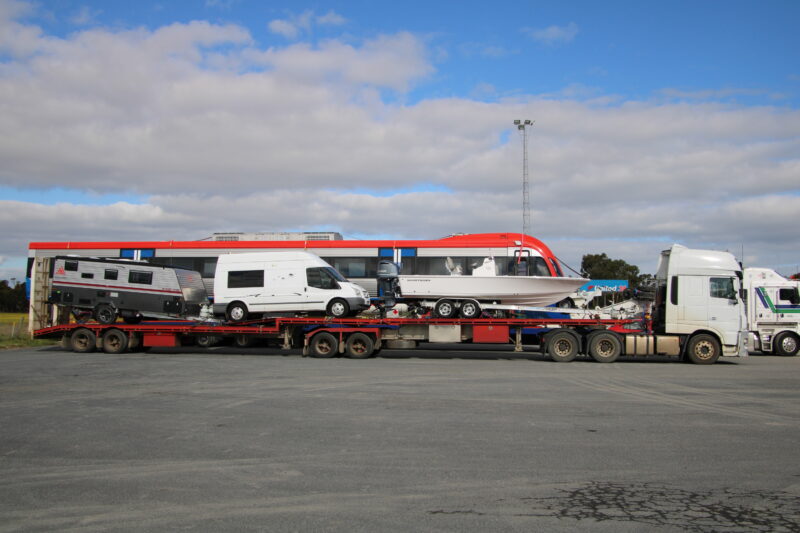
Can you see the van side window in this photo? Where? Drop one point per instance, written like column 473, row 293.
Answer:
column 111, row 273
column 142, row 278
column 242, row 279
column 320, row 278
column 71, row 266
column 722, row 288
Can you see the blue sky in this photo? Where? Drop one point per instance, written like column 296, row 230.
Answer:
column 740, row 51
column 655, row 122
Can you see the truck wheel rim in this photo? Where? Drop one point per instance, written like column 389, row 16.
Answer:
column 704, row 350
column 789, row 344
column 605, row 348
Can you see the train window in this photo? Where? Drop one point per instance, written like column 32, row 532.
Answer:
column 72, row 266
column 556, row 267
column 111, row 273
column 241, row 279
column 538, row 267
column 139, row 277
column 355, row 267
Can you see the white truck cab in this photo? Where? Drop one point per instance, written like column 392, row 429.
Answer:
column 773, row 312
column 278, row 282
column 700, row 300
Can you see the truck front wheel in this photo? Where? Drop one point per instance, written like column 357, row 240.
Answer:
column 703, row 349
column 785, row 343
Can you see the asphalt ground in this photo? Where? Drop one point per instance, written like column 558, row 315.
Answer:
column 425, row 440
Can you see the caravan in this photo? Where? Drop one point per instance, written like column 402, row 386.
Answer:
column 280, row 282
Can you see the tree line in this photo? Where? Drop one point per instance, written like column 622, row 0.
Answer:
column 13, row 299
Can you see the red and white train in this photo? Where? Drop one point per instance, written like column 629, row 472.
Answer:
column 355, row 259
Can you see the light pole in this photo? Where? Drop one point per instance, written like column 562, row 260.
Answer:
column 522, row 127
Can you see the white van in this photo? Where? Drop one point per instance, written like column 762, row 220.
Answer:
column 279, row 282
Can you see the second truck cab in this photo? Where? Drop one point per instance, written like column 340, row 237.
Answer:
column 773, row 311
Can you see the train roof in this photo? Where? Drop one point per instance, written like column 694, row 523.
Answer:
column 488, row 240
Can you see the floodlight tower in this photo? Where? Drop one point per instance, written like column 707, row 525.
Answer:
column 522, row 127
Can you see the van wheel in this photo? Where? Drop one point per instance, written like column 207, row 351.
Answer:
column 359, row 346
column 114, row 341
column 605, row 347
column 703, row 349
column 470, row 309
column 323, row 345
column 785, row 344
column 83, row 340
column 338, row 308
column 236, row 312
column 105, row 314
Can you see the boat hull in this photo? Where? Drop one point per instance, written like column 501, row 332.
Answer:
column 534, row 291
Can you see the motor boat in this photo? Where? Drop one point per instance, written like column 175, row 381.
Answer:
column 485, row 285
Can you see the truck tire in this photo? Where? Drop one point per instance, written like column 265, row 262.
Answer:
column 323, row 345
column 206, row 341
column 703, row 349
column 243, row 341
column 561, row 346
column 359, row 346
column 236, row 312
column 338, row 308
column 133, row 319
column 605, row 347
column 83, row 340
column 115, row 341
column 444, row 309
column 105, row 314
column 470, row 309
column 785, row 343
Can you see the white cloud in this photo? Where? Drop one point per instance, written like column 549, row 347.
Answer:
column 553, row 35
column 296, row 25
column 219, row 134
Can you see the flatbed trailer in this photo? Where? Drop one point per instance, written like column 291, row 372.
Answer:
column 562, row 339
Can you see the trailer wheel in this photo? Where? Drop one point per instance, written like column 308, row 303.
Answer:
column 338, row 308
column 444, row 309
column 206, row 341
column 243, row 341
column 359, row 346
column 105, row 314
column 470, row 309
column 236, row 312
column 785, row 343
column 83, row 340
column 114, row 341
column 605, row 347
column 562, row 346
column 703, row 349
column 323, row 345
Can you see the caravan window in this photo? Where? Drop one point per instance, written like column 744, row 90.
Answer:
column 71, row 266
column 243, row 279
column 111, row 273
column 142, row 278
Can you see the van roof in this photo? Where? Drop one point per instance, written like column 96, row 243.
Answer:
column 255, row 257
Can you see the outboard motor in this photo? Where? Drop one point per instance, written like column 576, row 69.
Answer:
column 388, row 282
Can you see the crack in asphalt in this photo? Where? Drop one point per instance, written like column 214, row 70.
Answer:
column 662, row 505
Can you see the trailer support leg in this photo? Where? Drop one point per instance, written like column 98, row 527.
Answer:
column 518, row 340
